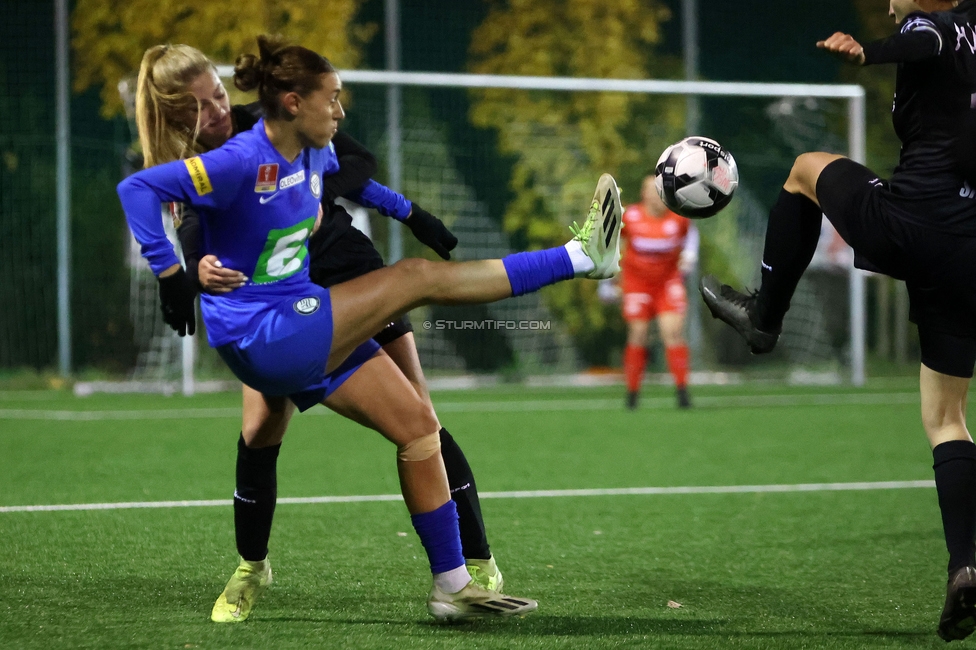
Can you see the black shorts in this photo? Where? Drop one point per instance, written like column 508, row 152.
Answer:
column 938, row 268
column 348, row 257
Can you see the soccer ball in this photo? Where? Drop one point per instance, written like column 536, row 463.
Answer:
column 696, row 177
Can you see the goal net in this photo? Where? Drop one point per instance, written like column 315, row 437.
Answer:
column 509, row 162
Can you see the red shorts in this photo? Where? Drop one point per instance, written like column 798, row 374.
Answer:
column 644, row 300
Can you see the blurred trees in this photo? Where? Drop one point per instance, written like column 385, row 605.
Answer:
column 110, row 36
column 563, row 141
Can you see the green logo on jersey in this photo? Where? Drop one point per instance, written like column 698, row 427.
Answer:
column 284, row 253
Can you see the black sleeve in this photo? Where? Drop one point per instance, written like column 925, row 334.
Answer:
column 356, row 166
column 919, row 39
column 190, row 241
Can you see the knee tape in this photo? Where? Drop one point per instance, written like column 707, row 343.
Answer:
column 420, row 449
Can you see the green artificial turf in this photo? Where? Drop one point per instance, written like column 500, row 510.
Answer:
column 821, row 569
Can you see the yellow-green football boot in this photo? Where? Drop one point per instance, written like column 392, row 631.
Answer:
column 242, row 591
column 485, row 573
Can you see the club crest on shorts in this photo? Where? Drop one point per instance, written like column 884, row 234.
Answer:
column 307, row 306
column 315, row 185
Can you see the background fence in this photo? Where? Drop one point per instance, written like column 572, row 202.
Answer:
column 475, row 158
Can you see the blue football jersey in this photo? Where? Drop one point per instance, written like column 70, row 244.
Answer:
column 256, row 210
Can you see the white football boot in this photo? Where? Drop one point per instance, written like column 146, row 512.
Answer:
column 599, row 235
column 475, row 601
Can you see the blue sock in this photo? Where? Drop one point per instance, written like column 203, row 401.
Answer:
column 528, row 272
column 438, row 531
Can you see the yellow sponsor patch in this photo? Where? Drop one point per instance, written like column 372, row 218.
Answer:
column 198, row 174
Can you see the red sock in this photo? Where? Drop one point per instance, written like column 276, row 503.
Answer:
column 678, row 364
column 635, row 358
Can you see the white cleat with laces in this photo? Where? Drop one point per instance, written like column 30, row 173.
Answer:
column 599, row 236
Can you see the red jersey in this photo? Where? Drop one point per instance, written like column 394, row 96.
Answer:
column 652, row 244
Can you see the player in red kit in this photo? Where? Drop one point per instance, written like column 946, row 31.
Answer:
column 660, row 247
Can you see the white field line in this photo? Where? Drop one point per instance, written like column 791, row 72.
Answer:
column 499, row 406
column 521, row 494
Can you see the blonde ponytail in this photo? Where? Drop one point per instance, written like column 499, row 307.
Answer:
column 162, row 97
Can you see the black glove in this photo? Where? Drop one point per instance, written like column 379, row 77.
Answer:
column 431, row 232
column 177, row 300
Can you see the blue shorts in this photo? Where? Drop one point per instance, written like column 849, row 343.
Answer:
column 286, row 351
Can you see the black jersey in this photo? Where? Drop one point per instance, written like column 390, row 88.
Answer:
column 245, row 116
column 936, row 82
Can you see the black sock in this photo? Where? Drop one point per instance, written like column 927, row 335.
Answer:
column 791, row 240
column 254, row 499
column 955, row 481
column 474, row 541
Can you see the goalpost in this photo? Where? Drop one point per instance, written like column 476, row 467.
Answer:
column 487, row 240
column 856, row 132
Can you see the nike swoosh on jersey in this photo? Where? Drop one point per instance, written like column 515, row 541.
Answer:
column 265, row 199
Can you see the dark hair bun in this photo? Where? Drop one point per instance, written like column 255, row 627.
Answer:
column 248, row 72
column 279, row 68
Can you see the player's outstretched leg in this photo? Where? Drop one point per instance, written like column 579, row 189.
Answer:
column 368, row 303
column 792, row 234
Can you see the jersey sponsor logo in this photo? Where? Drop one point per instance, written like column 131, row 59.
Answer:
column 315, row 185
column 655, row 244
column 307, row 306
column 198, row 174
column 267, row 178
column 294, row 179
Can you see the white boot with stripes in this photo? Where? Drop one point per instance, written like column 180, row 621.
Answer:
column 476, row 602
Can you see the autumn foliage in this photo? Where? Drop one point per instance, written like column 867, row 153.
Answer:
column 110, row 36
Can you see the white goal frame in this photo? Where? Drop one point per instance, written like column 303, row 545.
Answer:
column 856, row 131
